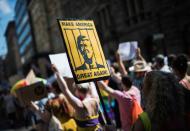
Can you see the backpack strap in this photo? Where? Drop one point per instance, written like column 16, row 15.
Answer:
column 145, row 121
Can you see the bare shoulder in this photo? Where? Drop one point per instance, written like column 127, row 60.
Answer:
column 91, row 105
column 91, row 102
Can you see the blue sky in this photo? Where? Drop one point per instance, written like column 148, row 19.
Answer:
column 6, row 14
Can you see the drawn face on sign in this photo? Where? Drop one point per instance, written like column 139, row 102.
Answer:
column 84, row 51
column 85, row 48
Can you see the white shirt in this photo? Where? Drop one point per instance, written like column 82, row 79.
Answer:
column 165, row 68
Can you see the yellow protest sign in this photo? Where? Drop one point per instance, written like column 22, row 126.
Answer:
column 84, row 51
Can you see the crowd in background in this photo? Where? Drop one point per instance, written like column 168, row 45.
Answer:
column 139, row 96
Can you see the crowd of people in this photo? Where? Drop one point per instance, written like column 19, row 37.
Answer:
column 139, row 96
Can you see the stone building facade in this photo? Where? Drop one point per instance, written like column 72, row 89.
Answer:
column 156, row 25
column 159, row 26
column 44, row 14
column 13, row 60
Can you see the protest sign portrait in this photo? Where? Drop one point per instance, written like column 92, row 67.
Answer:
column 86, row 57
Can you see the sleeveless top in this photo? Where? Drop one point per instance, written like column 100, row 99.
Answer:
column 89, row 122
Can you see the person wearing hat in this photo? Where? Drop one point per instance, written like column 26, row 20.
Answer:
column 138, row 71
column 84, row 102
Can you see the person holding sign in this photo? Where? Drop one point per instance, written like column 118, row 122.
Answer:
column 86, row 106
column 86, row 50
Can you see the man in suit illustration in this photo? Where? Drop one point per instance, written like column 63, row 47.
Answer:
column 86, row 50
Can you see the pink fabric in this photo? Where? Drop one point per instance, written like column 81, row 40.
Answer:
column 125, row 104
column 185, row 83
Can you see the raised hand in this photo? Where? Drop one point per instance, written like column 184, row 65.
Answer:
column 117, row 55
column 138, row 51
column 139, row 55
column 112, row 71
column 54, row 68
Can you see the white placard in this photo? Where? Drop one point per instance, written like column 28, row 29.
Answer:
column 127, row 50
column 62, row 64
column 31, row 77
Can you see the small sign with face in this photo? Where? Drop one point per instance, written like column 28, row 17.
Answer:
column 84, row 51
column 32, row 92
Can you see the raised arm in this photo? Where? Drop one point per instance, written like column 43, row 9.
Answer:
column 139, row 55
column 34, row 107
column 122, row 69
column 106, row 88
column 115, row 76
column 75, row 102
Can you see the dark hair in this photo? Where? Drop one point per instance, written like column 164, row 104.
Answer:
column 165, row 94
column 126, row 80
column 180, row 64
column 55, row 85
column 79, row 39
column 159, row 59
column 115, row 66
column 188, row 69
column 83, row 91
column 171, row 59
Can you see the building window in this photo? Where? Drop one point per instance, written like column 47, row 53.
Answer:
column 104, row 18
column 141, row 5
column 126, row 10
column 25, row 44
column 84, row 3
column 134, row 10
column 140, row 9
column 68, row 10
column 20, row 14
column 24, row 34
column 22, row 24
